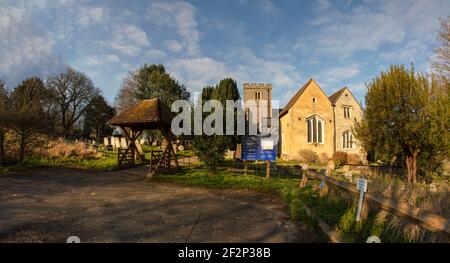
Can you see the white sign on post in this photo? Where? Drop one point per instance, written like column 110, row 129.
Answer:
column 267, row 144
column 361, row 185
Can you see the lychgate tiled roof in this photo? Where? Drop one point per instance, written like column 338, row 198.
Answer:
column 146, row 112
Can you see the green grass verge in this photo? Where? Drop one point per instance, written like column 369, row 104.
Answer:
column 337, row 212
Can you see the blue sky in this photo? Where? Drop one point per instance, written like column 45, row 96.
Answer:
column 285, row 43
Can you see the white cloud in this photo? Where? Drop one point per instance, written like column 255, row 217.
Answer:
column 101, row 60
column 181, row 16
column 336, row 74
column 419, row 17
column 252, row 68
column 196, row 73
column 268, row 7
column 155, row 54
column 357, row 87
column 24, row 49
column 370, row 24
column 363, row 29
column 173, row 46
column 409, row 53
column 128, row 39
column 88, row 16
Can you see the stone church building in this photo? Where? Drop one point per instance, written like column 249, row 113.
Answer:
column 312, row 120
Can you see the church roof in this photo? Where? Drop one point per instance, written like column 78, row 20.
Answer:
column 296, row 96
column 150, row 112
column 335, row 96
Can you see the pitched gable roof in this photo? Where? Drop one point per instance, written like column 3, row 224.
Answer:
column 335, row 96
column 297, row 95
column 145, row 112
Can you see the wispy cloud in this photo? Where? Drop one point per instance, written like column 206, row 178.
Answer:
column 181, row 16
column 128, row 39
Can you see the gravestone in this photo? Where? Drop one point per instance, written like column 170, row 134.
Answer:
column 116, row 143
column 349, row 176
column 106, row 141
column 123, row 143
column 330, row 167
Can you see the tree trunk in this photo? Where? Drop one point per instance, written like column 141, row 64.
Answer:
column 411, row 166
column 2, row 149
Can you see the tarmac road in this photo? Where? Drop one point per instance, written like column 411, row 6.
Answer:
column 50, row 205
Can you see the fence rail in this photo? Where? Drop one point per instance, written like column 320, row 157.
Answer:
column 429, row 221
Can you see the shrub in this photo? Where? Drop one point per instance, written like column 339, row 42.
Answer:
column 308, row 156
column 340, row 158
column 323, row 158
column 353, row 159
column 211, row 150
column 62, row 149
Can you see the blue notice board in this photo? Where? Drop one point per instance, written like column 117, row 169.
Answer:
column 252, row 151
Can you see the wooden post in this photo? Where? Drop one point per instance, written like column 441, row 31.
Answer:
column 304, row 180
column 118, row 158
column 267, row 169
column 151, row 160
column 133, row 147
column 245, row 167
column 324, row 190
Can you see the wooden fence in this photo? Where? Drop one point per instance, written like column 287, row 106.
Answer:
column 432, row 222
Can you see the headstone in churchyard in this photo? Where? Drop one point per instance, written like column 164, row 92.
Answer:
column 123, row 143
column 181, row 148
column 105, row 141
column 349, row 176
column 117, row 142
column 331, row 165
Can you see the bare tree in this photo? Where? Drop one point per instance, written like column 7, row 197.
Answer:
column 72, row 91
column 442, row 65
column 126, row 98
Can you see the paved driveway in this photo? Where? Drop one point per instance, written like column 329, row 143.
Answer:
column 121, row 206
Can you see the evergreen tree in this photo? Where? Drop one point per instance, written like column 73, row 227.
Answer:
column 31, row 111
column 96, row 117
column 211, row 149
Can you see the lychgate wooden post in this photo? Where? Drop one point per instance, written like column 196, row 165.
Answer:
column 148, row 114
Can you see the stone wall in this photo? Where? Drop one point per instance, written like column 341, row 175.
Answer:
column 294, row 129
column 343, row 124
